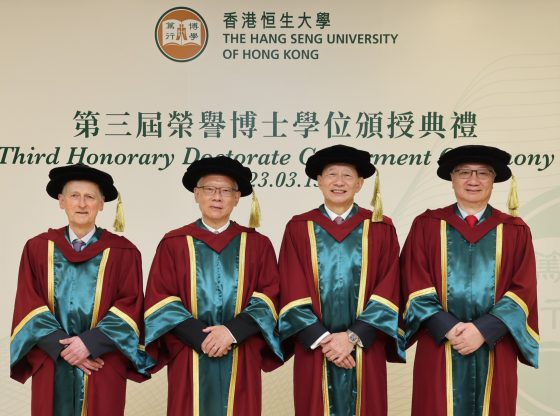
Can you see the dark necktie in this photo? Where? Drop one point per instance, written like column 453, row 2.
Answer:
column 339, row 220
column 77, row 245
column 471, row 220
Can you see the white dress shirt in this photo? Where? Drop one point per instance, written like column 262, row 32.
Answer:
column 85, row 239
column 464, row 213
column 333, row 215
column 216, row 230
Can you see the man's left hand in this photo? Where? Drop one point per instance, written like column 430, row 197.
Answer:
column 468, row 338
column 218, row 342
column 75, row 351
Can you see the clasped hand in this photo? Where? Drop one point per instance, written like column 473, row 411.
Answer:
column 76, row 353
column 218, row 341
column 338, row 349
column 465, row 338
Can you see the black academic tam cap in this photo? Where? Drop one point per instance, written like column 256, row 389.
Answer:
column 219, row 165
column 487, row 155
column 339, row 153
column 80, row 172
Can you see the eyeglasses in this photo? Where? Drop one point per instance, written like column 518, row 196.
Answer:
column 211, row 190
column 483, row 174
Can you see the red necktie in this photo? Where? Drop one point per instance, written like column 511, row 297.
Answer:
column 339, row 220
column 471, row 220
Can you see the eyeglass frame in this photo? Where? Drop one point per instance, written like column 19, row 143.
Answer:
column 222, row 190
column 492, row 173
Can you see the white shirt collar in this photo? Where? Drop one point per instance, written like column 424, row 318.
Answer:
column 216, row 230
column 464, row 213
column 85, row 238
column 333, row 215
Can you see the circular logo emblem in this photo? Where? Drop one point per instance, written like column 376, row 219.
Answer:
column 181, row 34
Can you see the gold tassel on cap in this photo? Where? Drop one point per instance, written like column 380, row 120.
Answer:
column 513, row 198
column 376, row 202
column 255, row 218
column 118, row 225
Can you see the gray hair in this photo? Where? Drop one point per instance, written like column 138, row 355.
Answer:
column 199, row 182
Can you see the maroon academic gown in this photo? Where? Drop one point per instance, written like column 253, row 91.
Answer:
column 297, row 282
column 170, row 277
column 421, row 269
column 122, row 287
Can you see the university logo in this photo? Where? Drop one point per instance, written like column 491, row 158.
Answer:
column 181, row 34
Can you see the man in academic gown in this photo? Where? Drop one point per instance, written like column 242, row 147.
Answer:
column 78, row 307
column 340, row 292
column 211, row 300
column 469, row 283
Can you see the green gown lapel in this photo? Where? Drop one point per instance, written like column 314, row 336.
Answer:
column 340, row 266
column 470, row 294
column 216, row 293
column 74, row 294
